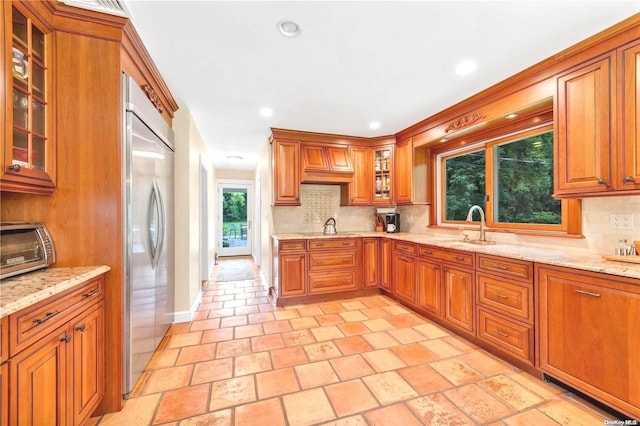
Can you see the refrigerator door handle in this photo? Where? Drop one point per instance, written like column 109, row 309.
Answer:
column 156, row 224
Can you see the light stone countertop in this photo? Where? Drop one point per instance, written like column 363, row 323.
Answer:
column 28, row 289
column 551, row 256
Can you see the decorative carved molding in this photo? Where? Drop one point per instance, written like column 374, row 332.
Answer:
column 465, row 121
column 153, row 97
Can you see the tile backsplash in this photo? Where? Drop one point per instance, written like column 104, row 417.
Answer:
column 596, row 220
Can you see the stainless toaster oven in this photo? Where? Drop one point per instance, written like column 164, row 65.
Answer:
column 24, row 247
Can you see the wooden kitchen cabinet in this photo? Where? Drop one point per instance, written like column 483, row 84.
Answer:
column 404, row 172
column 359, row 191
column 56, row 369
column 430, row 287
column 589, row 334
column 384, row 177
column 371, row 262
column 628, row 165
column 404, row 271
column 286, row 173
column 293, row 274
column 386, row 250
column 4, row 371
column 334, row 265
column 459, row 300
column 29, row 149
column 326, row 158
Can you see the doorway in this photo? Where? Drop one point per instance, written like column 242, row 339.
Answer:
column 235, row 201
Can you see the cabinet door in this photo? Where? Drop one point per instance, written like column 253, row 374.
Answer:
column 29, row 152
column 358, row 192
column 339, row 159
column 628, row 177
column 286, row 173
column 404, row 172
column 4, row 394
column 459, row 298
column 385, row 264
column 589, row 335
column 583, row 120
column 38, row 380
column 292, row 274
column 88, row 363
column 371, row 248
column 314, row 158
column 404, row 277
column 384, row 178
column 430, row 294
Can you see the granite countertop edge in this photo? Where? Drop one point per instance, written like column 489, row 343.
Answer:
column 24, row 290
column 551, row 256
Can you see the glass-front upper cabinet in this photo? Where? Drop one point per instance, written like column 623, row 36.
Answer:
column 29, row 152
column 383, row 172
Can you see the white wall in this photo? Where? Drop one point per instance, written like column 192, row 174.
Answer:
column 264, row 185
column 189, row 149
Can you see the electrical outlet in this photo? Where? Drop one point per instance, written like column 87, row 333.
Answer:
column 622, row 221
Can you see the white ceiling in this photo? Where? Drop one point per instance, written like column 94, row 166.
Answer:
column 353, row 63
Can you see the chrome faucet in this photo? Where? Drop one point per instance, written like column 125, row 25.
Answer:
column 483, row 223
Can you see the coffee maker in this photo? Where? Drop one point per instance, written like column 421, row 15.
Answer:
column 392, row 222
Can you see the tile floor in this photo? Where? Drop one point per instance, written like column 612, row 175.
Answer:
column 365, row 361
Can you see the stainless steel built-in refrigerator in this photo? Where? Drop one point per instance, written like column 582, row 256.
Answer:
column 149, row 237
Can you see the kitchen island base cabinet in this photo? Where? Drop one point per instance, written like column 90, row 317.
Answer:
column 590, row 334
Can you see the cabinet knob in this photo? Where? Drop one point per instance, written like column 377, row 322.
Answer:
column 629, row 179
column 81, row 328
column 66, row 338
column 435, row 268
column 602, row 182
column 15, row 167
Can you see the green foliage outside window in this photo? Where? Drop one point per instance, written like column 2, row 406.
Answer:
column 234, row 207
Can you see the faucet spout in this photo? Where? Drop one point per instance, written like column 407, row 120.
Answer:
column 483, row 223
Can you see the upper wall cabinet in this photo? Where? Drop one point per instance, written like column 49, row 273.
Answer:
column 598, row 145
column 29, row 150
column 326, row 163
column 286, row 172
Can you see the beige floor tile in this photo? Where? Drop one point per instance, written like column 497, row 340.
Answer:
column 353, row 306
column 404, row 321
column 298, row 337
column 380, row 340
column 440, row 348
column 261, row 413
column 431, row 331
column 180, row 403
column 136, row 411
column 456, row 371
column 353, row 328
column 315, row 374
column 280, row 326
column 307, row 407
column 544, row 389
column 205, row 324
column 351, row 316
column 396, row 310
column 383, row 360
column 486, row 363
column 424, row 379
column 162, row 359
column 436, row 409
column 389, row 387
column 348, row 421
column 351, row 367
column 323, row 350
column 569, row 413
column 304, row 322
column 252, row 363
column 310, row 311
column 233, row 348
column 198, row 353
column 407, row 335
column 167, row 379
column 352, row 345
column 219, row 418
column 510, row 392
column 413, row 354
column 211, row 371
column 328, row 332
column 329, row 319
column 184, row 339
column 260, row 317
column 277, row 382
column 375, row 313
column 266, row 343
column 529, row 418
column 478, row 403
column 234, row 321
column 244, row 331
column 397, row 414
column 286, row 314
column 332, row 308
column 219, row 335
column 232, row 392
column 379, row 324
column 289, row 357
column 350, row 397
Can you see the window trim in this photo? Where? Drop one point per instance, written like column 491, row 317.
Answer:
column 571, row 220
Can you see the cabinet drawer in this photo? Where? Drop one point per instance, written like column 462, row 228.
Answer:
column 513, row 337
column 292, row 245
column 508, row 297
column 461, row 258
column 328, row 282
column 338, row 243
column 4, row 339
column 408, row 248
column 33, row 323
column 331, row 260
column 520, row 269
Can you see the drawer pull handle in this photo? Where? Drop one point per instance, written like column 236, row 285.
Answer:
column 46, row 318
column 459, row 258
column 66, row 338
column 501, row 296
column 587, row 293
column 501, row 267
column 629, row 179
column 91, row 293
column 500, row 333
column 81, row 328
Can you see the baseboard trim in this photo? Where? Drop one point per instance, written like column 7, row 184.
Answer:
column 187, row 316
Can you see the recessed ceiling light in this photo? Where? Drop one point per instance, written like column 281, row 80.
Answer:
column 235, row 158
column 265, row 112
column 510, row 116
column 288, row 28
column 465, row 67
column 374, row 125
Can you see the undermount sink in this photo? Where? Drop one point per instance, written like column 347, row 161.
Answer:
column 478, row 242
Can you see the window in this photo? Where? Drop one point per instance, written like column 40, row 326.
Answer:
column 510, row 177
